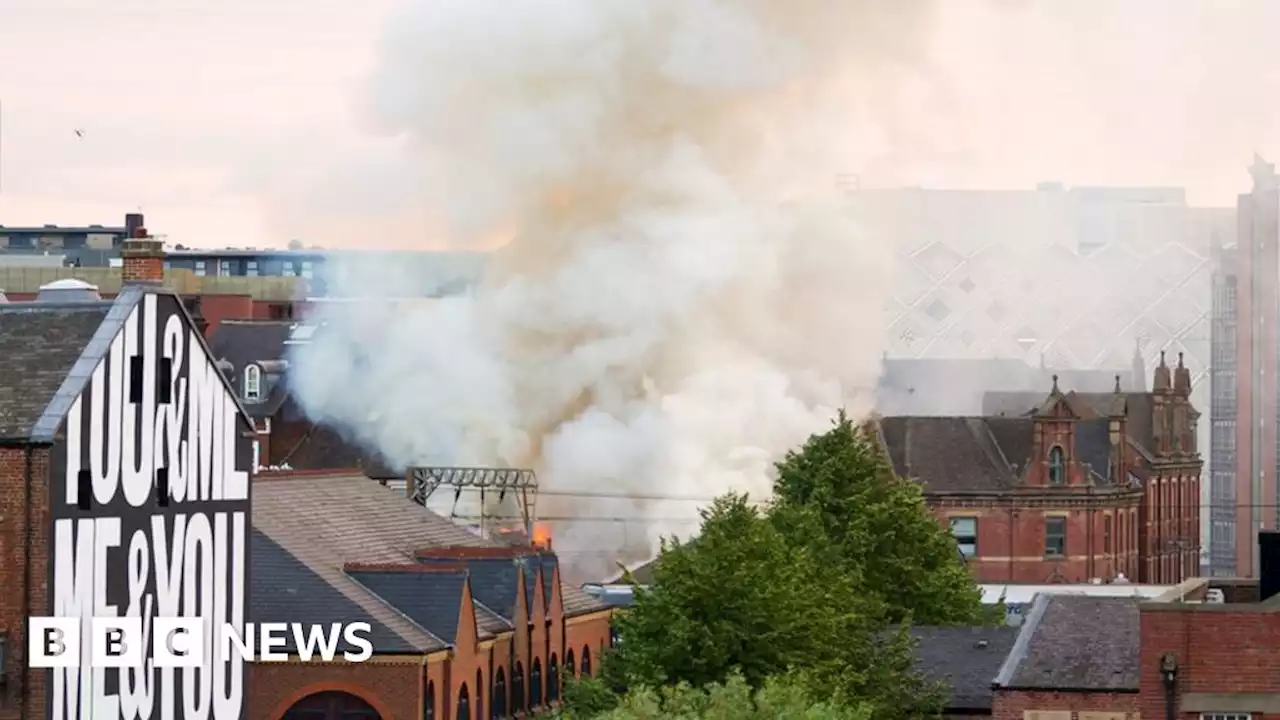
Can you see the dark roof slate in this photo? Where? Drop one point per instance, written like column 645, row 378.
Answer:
column 242, row 342
column 282, row 589
column 1076, row 642
column 40, row 343
column 949, row 453
column 433, row 600
column 965, row 659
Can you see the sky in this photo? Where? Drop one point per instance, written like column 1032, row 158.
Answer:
column 249, row 123
column 198, row 113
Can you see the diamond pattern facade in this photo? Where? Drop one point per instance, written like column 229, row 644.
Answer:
column 1078, row 278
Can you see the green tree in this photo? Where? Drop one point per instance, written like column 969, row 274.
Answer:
column 877, row 527
column 781, row 698
column 743, row 599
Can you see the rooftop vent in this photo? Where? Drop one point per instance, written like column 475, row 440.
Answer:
column 68, row 290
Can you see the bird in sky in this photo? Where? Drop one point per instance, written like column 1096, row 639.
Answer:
column 79, row 133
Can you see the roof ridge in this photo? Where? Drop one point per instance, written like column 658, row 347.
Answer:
column 1009, row 669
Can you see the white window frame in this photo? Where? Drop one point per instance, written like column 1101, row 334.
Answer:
column 252, row 382
column 973, row 546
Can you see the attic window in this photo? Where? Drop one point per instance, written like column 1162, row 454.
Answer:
column 253, row 383
column 1057, row 467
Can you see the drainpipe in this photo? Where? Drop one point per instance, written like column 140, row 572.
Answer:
column 27, row 492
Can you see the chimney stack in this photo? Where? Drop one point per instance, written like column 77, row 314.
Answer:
column 143, row 257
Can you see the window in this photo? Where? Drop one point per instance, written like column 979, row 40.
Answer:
column 1225, row 716
column 224, row 268
column 251, row 268
column 569, row 664
column 1055, row 537
column 553, row 679
column 965, row 531
column 253, row 383
column 479, row 695
column 200, row 270
column 586, row 661
column 1106, row 534
column 464, row 704
column 1057, row 467
column 535, row 684
column 429, row 704
column 499, row 701
column 517, row 688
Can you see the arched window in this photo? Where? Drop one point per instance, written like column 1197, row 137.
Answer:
column 332, row 705
column 429, row 703
column 586, row 662
column 479, row 695
column 464, row 704
column 1057, row 467
column 498, row 703
column 253, row 383
column 535, row 684
column 570, row 665
column 553, row 679
column 517, row 688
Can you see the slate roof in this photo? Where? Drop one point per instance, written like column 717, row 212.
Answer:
column 242, row 342
column 39, row 345
column 326, row 522
column 1086, row 405
column 980, row 454
column 433, row 600
column 1076, row 642
column 965, row 659
column 283, row 589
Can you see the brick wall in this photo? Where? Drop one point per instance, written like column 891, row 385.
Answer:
column 588, row 631
column 1011, row 542
column 392, row 687
column 1219, row 649
column 15, row 541
column 1013, row 705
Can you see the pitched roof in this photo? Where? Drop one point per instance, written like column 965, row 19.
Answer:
column 40, row 343
column 1088, row 405
column 965, row 659
column 979, row 454
column 433, row 600
column 284, row 589
column 1075, row 642
column 330, row 521
column 242, row 342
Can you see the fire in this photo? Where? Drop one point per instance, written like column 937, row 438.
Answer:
column 541, row 535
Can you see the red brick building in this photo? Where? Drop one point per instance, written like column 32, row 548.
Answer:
column 119, row 433
column 1068, row 487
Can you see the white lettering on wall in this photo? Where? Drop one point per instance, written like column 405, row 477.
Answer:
column 136, row 554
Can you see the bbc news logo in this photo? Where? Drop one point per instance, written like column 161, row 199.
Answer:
column 185, row 642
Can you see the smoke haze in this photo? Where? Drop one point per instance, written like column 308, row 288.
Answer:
column 683, row 296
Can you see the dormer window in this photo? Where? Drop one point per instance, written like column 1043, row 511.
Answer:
column 1057, row 467
column 253, row 383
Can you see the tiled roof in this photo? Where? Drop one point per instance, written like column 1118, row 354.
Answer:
column 1076, row 642
column 979, row 454
column 965, row 659
column 39, row 345
column 283, row 589
column 433, row 600
column 1087, row 405
column 330, row 521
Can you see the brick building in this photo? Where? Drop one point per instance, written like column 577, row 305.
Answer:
column 1068, row 487
column 120, row 438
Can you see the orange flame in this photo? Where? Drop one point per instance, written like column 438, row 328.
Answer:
column 541, row 535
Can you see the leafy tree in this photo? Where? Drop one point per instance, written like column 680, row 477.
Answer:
column 781, row 698
column 743, row 599
column 876, row 526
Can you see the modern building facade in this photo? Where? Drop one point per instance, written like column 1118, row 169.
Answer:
column 1244, row 412
column 1071, row 278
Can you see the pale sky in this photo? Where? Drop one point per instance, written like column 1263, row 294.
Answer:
column 245, row 122
column 195, row 111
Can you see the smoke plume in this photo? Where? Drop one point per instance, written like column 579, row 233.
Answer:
column 679, row 296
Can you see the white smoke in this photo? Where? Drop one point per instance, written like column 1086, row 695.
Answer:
column 683, row 297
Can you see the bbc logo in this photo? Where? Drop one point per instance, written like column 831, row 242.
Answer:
column 57, row 642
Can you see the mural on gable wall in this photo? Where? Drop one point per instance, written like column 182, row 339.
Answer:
column 152, row 519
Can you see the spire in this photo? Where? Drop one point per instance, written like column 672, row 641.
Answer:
column 1055, row 385
column 1182, row 378
column 1163, row 379
column 1139, row 368
column 1117, row 390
